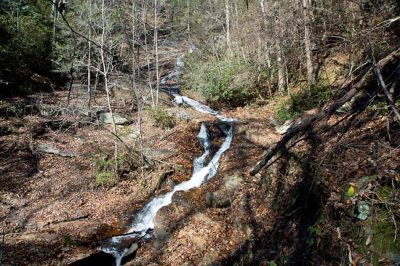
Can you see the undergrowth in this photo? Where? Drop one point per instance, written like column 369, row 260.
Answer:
column 110, row 169
column 161, row 118
column 225, row 81
column 303, row 100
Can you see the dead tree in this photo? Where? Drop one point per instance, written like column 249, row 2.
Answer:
column 367, row 82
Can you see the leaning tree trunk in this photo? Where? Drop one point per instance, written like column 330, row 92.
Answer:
column 368, row 82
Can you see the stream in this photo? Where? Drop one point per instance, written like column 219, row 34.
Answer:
column 142, row 226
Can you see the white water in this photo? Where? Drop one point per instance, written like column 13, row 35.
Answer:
column 178, row 99
column 201, row 173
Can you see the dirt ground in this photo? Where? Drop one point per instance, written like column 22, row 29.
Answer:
column 55, row 210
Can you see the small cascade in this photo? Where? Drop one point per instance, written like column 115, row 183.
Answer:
column 143, row 225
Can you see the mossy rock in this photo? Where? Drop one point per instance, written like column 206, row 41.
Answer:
column 380, row 230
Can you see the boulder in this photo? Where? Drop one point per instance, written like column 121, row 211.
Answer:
column 222, row 198
column 106, row 118
column 45, row 148
column 168, row 218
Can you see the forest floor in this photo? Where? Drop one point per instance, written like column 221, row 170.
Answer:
column 57, row 209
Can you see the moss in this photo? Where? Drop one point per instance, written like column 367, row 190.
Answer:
column 384, row 238
column 381, row 230
column 384, row 192
column 68, row 240
column 105, row 178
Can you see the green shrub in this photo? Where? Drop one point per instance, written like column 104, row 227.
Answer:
column 228, row 81
column 161, row 118
column 302, row 101
column 109, row 170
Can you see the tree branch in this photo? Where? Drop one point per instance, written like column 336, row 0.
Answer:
column 76, row 32
column 385, row 90
column 366, row 82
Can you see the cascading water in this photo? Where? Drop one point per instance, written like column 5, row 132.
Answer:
column 143, row 222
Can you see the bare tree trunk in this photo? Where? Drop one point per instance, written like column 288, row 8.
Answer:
column 134, row 18
column 307, row 41
column 89, row 88
column 105, row 72
column 55, row 13
column 236, row 15
column 18, row 8
column 227, row 22
column 278, row 49
column 144, row 19
column 263, row 6
column 281, row 67
column 156, row 50
column 134, row 88
column 188, row 20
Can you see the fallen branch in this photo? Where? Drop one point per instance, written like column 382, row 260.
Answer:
column 73, row 219
column 366, row 83
column 385, row 90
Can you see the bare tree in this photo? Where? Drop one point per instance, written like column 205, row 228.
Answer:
column 146, row 50
column 307, row 42
column 106, row 62
column 89, row 88
column 228, row 27
column 156, row 52
column 278, row 32
column 265, row 24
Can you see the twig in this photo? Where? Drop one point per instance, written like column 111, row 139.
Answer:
column 68, row 220
column 350, row 257
column 387, row 23
column 385, row 90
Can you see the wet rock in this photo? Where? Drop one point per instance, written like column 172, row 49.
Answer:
column 222, row 198
column 183, row 115
column 168, row 218
column 106, row 118
column 100, row 258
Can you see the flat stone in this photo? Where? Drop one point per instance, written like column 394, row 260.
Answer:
column 53, row 150
column 106, row 118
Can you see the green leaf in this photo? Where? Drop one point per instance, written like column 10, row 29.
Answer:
column 363, row 210
column 351, row 191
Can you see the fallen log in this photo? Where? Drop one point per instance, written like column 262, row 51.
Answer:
column 368, row 82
